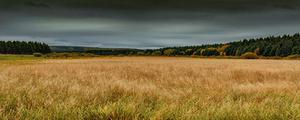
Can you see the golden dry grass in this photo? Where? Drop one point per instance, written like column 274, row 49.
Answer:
column 150, row 88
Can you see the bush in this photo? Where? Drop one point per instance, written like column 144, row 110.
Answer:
column 293, row 56
column 198, row 52
column 170, row 52
column 140, row 53
column 156, row 53
column 37, row 54
column 210, row 52
column 249, row 55
column 69, row 55
column 189, row 52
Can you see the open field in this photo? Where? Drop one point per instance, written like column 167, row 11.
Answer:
column 150, row 88
column 17, row 57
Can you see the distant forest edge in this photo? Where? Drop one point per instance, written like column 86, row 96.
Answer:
column 280, row 46
column 22, row 47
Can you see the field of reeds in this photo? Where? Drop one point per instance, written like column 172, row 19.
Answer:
column 149, row 88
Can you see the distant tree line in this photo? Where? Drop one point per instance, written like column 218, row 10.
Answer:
column 116, row 51
column 22, row 47
column 280, row 46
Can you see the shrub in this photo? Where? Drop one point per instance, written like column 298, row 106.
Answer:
column 249, row 55
column 293, row 56
column 189, row 52
column 140, row 53
column 170, row 52
column 222, row 50
column 37, row 54
column 69, row 55
column 210, row 52
column 198, row 52
column 156, row 53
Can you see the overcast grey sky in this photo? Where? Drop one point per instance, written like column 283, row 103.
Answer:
column 145, row 24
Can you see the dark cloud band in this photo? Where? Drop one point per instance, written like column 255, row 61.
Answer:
column 232, row 5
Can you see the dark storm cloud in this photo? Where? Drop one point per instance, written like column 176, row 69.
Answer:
column 145, row 24
column 156, row 4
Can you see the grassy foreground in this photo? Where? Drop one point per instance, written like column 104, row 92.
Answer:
column 150, row 88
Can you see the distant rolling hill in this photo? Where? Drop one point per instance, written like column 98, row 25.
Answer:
column 70, row 48
column 95, row 50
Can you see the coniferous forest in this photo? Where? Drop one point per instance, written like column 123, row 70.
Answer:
column 280, row 46
column 22, row 47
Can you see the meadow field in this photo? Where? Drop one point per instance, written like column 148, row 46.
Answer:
column 150, row 88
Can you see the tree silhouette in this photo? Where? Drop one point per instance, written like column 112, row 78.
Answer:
column 22, row 47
